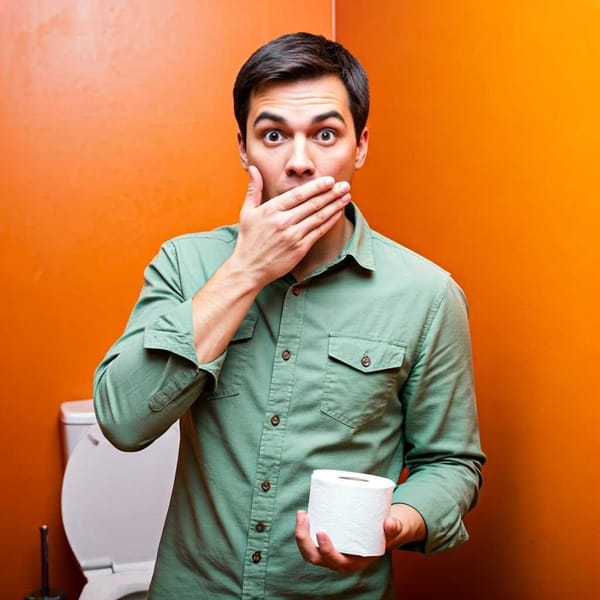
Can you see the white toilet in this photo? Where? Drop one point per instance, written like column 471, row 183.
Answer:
column 114, row 504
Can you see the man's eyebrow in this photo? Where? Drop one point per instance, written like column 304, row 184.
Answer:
column 265, row 115
column 332, row 114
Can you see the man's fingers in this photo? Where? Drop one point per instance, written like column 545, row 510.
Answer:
column 311, row 553
column 325, row 555
column 272, row 239
column 299, row 195
column 308, row 550
column 321, row 211
column 319, row 208
column 317, row 225
column 326, row 547
column 330, row 558
column 255, row 186
column 392, row 528
column 317, row 214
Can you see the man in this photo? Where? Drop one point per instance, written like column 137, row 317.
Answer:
column 299, row 339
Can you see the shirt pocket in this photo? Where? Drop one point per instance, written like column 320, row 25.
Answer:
column 232, row 371
column 361, row 377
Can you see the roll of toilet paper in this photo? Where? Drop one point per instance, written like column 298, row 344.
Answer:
column 350, row 507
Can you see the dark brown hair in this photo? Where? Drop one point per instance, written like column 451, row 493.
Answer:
column 301, row 56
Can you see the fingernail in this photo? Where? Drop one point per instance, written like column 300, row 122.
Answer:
column 342, row 187
column 328, row 180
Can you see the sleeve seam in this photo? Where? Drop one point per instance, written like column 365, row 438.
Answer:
column 433, row 311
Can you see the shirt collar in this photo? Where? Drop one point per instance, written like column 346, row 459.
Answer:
column 360, row 244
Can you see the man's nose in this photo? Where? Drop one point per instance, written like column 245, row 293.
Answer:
column 299, row 162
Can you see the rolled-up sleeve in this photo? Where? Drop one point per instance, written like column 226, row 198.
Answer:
column 150, row 376
column 442, row 448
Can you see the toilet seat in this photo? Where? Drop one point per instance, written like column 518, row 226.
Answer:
column 113, row 508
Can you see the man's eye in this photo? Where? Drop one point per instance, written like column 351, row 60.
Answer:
column 326, row 135
column 273, row 136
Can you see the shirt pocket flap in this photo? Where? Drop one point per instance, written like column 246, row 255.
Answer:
column 366, row 354
column 246, row 329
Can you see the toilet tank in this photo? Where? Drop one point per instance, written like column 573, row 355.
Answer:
column 76, row 418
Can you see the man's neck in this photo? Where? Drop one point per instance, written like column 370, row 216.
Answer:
column 325, row 250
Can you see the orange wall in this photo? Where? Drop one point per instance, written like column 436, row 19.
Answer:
column 116, row 132
column 485, row 156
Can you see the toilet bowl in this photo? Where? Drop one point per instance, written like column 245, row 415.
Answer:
column 114, row 504
column 119, row 586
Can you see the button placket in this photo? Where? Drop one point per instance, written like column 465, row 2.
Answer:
column 271, row 443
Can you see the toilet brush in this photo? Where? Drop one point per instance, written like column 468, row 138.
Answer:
column 45, row 593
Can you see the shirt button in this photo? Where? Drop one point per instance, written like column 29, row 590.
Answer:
column 260, row 527
column 286, row 355
column 265, row 486
column 256, row 557
column 275, row 420
column 365, row 361
column 296, row 290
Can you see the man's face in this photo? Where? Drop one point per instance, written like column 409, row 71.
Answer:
column 301, row 130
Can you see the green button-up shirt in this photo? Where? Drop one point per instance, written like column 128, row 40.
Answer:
column 365, row 366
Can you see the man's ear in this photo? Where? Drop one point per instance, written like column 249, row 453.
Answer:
column 242, row 150
column 362, row 147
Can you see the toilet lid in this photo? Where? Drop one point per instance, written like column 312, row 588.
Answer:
column 114, row 503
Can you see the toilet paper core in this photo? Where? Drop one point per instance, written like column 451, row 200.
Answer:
column 350, row 507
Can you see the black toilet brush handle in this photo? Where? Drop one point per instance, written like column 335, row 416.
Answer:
column 45, row 593
column 45, row 589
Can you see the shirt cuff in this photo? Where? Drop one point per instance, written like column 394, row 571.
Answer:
column 445, row 527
